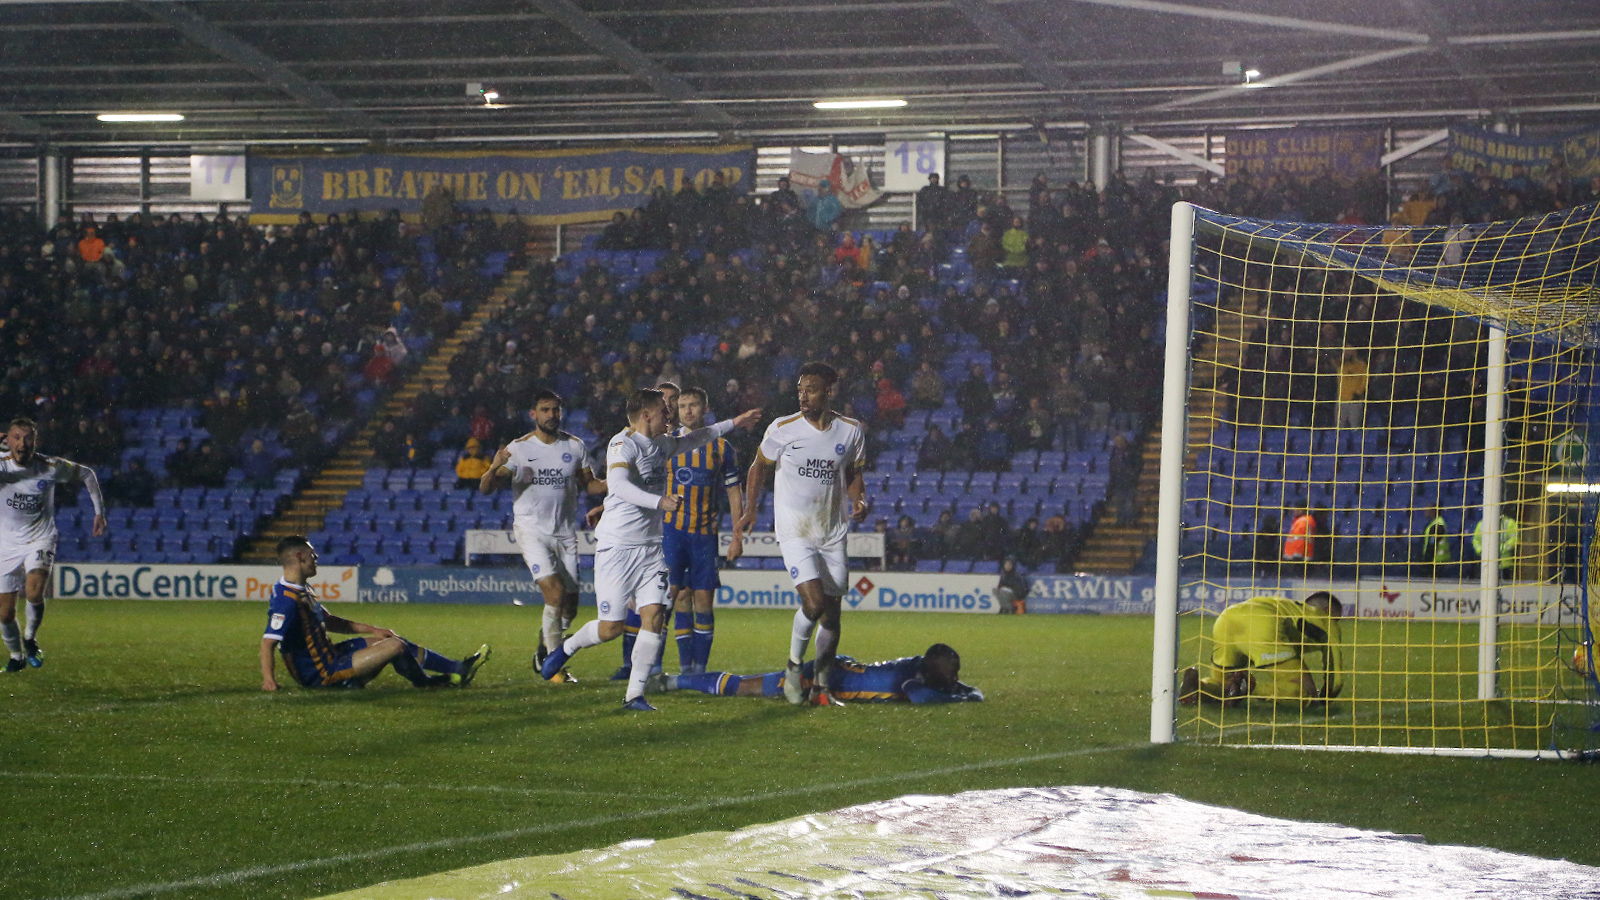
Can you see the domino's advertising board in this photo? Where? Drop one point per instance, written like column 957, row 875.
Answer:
column 881, row 591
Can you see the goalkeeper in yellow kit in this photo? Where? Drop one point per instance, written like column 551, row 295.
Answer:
column 1259, row 649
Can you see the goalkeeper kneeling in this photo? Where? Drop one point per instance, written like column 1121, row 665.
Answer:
column 1259, row 650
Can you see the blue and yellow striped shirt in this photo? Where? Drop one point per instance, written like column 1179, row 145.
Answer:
column 702, row 478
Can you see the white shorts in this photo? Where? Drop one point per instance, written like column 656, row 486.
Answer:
column 807, row 561
column 549, row 554
column 628, row 578
column 19, row 561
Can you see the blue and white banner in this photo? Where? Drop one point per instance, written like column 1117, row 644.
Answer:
column 452, row 584
column 548, row 187
column 881, row 591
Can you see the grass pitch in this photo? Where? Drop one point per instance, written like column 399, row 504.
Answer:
column 143, row 759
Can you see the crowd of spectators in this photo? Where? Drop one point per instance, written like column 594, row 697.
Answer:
column 280, row 337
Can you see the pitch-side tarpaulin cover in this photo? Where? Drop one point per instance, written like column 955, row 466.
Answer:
column 1044, row 842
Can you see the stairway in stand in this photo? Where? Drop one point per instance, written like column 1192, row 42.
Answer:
column 310, row 505
column 1115, row 547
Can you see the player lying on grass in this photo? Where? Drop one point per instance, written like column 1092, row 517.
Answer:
column 298, row 626
column 1259, row 649
column 932, row 677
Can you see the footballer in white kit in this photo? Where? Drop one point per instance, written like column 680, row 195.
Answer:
column 28, row 533
column 630, row 571
column 546, row 468
column 817, row 456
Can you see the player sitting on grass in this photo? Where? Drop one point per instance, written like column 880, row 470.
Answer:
column 932, row 677
column 298, row 627
column 1259, row 649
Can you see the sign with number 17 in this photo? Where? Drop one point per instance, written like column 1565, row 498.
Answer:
column 908, row 161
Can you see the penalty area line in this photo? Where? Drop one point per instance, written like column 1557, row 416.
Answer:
column 251, row 873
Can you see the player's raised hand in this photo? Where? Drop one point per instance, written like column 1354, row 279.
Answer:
column 501, row 457
column 669, row 503
column 747, row 419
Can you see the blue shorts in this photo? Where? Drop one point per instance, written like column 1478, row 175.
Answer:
column 691, row 560
column 341, row 673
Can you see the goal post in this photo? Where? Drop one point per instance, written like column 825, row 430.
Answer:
column 1399, row 418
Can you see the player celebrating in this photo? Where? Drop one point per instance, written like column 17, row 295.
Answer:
column 933, row 677
column 1259, row 648
column 546, row 468
column 629, row 570
column 28, row 482
column 298, row 626
column 818, row 455
column 630, row 623
column 700, row 478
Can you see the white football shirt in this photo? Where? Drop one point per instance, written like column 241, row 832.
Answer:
column 544, row 482
column 812, row 469
column 642, row 463
column 28, row 498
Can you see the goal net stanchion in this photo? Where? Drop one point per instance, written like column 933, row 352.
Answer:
column 1399, row 417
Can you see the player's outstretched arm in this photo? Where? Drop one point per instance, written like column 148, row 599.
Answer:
column 92, row 482
column 488, row 483
column 736, row 512
column 269, row 664
column 755, row 484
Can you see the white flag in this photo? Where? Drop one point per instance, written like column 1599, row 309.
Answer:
column 847, row 177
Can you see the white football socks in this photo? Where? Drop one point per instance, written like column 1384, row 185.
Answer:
column 35, row 616
column 552, row 629
column 13, row 638
column 645, row 650
column 800, row 636
column 587, row 636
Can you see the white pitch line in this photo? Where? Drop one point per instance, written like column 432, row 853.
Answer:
column 360, row 785
column 238, row 875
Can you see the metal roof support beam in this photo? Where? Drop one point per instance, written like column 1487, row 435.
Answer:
column 261, row 65
column 1295, row 24
column 1201, row 162
column 1488, row 93
column 628, row 57
column 994, row 26
column 18, row 124
column 1354, row 62
column 1421, row 143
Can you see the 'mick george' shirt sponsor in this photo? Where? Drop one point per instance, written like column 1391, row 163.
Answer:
column 813, row 467
column 28, row 498
column 544, row 482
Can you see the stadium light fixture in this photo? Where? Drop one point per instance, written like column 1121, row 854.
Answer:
column 1250, row 77
column 859, row 104
column 140, row 117
column 1575, row 487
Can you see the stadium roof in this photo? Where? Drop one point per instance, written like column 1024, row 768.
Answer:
column 397, row 71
